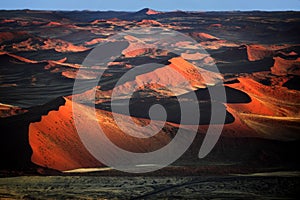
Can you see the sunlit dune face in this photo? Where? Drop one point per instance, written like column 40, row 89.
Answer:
column 25, row 60
column 214, row 45
column 56, row 144
column 193, row 56
column 152, row 12
column 54, row 24
column 137, row 49
column 94, row 41
column 8, row 20
column 203, row 36
column 272, row 113
column 62, row 46
column 36, row 43
column 180, row 76
column 198, row 77
column 267, row 93
column 206, row 36
column 215, row 26
column 284, row 67
column 258, row 52
column 149, row 22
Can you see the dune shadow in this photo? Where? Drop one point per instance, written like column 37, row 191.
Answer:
column 15, row 150
column 139, row 107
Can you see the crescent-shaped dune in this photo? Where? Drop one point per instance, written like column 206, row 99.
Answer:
column 273, row 112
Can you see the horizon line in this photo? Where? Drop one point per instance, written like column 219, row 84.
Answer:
column 166, row 11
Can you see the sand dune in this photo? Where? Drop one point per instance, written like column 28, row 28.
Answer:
column 62, row 46
column 204, row 36
column 178, row 77
column 54, row 24
column 9, row 36
column 152, row 12
column 284, row 67
column 258, row 52
column 56, row 144
column 94, row 41
column 272, row 113
column 149, row 22
column 20, row 58
column 278, row 128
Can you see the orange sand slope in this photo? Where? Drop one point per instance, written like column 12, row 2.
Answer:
column 56, row 144
column 273, row 113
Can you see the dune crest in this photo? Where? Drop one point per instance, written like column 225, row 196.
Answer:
column 204, row 36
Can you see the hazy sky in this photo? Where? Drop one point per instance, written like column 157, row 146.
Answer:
column 163, row 5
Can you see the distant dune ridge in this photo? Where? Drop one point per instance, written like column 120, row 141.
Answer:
column 256, row 53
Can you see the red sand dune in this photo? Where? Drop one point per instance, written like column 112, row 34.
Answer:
column 273, row 113
column 194, row 56
column 54, row 24
column 4, row 21
column 94, row 41
column 270, row 127
column 27, row 45
column 217, row 44
column 36, row 43
column 97, row 21
column 258, row 52
column 149, row 22
column 183, row 78
column 270, row 96
column 56, row 144
column 284, row 67
column 237, row 129
column 64, row 24
column 203, row 36
column 62, row 46
column 273, row 80
column 118, row 22
column 20, row 58
column 84, row 74
column 7, row 36
column 52, row 63
column 152, row 12
column 137, row 47
column 198, row 77
column 215, row 26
